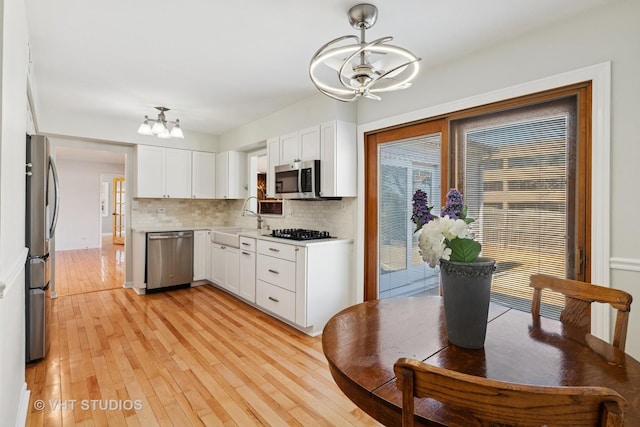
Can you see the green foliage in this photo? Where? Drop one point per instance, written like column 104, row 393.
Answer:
column 464, row 250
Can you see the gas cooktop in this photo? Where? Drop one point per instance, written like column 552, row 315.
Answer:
column 300, row 234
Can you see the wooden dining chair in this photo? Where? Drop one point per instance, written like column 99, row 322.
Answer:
column 578, row 299
column 484, row 402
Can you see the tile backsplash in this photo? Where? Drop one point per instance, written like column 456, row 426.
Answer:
column 334, row 216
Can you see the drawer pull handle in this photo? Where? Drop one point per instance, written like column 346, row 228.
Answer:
column 274, row 299
column 274, row 250
column 273, row 271
column 246, row 244
column 245, row 253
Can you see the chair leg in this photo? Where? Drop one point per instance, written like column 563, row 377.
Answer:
column 407, row 398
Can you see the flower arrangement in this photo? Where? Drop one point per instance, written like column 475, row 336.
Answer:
column 446, row 237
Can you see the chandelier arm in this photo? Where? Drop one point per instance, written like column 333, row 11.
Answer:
column 338, row 97
column 326, row 45
column 363, row 48
column 386, row 73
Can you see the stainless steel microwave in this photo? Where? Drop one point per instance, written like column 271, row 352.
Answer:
column 298, row 180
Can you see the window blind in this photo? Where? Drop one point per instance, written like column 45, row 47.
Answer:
column 515, row 173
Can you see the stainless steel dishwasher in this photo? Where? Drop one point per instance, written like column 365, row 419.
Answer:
column 169, row 259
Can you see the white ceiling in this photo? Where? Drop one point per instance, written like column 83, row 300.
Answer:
column 220, row 64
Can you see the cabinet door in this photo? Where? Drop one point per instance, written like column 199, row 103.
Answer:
column 218, row 264
column 309, row 140
column 237, row 175
column 248, row 275
column 222, row 175
column 150, row 171
column 338, row 160
column 273, row 160
column 289, row 148
column 200, row 244
column 203, row 175
column 232, row 259
column 178, row 173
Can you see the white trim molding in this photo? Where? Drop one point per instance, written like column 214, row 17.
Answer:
column 14, row 271
column 600, row 77
column 23, row 409
column 626, row 264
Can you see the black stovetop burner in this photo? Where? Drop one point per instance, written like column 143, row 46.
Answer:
column 300, row 234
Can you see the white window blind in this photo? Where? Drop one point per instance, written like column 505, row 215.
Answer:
column 516, row 168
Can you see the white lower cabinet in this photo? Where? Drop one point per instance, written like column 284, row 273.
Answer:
column 200, row 252
column 277, row 300
column 225, row 267
column 248, row 268
column 304, row 284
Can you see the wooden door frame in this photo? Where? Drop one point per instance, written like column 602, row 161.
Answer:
column 372, row 142
column 373, row 139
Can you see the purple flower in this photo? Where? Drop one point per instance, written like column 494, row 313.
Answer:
column 454, row 206
column 421, row 209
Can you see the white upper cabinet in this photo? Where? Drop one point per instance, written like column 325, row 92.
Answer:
column 289, row 148
column 150, row 171
column 300, row 145
column 163, row 172
column 203, row 175
column 273, row 159
column 338, row 162
column 333, row 142
column 231, row 175
column 178, row 173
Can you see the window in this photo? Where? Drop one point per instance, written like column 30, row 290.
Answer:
column 533, row 230
column 523, row 168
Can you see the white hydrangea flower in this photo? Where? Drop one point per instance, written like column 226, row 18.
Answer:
column 432, row 242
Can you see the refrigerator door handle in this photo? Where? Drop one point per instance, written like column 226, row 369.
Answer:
column 56, row 187
column 38, row 259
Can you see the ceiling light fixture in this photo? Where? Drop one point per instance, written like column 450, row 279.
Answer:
column 363, row 69
column 160, row 128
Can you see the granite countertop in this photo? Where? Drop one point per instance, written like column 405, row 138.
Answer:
column 259, row 234
column 154, row 229
column 253, row 233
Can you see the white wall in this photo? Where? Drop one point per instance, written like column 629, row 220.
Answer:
column 79, row 224
column 13, row 71
column 308, row 112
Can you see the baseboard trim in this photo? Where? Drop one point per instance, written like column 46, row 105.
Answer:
column 23, row 408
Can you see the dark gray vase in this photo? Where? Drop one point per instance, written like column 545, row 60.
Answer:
column 466, row 289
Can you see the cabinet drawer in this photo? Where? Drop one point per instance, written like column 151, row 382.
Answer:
column 277, row 300
column 276, row 271
column 247, row 244
column 276, row 249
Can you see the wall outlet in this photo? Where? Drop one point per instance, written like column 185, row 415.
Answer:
column 135, row 204
column 161, row 210
column 290, row 213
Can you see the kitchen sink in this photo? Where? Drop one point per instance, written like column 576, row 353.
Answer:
column 228, row 236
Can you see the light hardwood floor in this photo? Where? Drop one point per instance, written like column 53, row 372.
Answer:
column 188, row 357
column 89, row 270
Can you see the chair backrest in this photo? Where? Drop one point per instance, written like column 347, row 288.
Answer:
column 485, row 402
column 578, row 299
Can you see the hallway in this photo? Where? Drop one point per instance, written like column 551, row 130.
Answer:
column 90, row 270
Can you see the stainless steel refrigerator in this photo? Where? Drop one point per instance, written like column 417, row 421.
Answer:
column 42, row 205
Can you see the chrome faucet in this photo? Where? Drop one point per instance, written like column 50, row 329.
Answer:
column 257, row 215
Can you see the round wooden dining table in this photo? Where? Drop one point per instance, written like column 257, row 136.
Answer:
column 362, row 343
